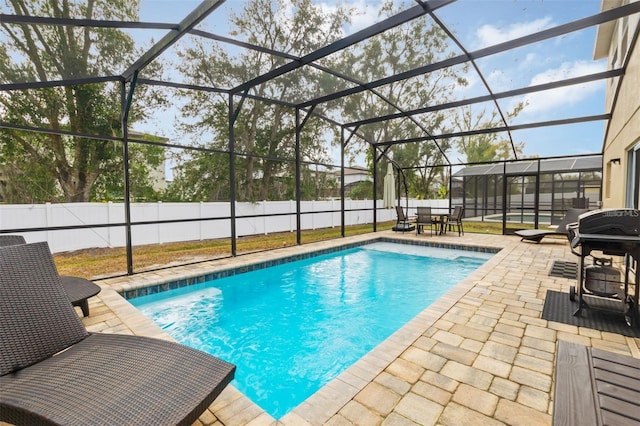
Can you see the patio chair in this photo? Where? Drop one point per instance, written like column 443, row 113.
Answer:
column 455, row 219
column 425, row 217
column 536, row 235
column 403, row 222
column 93, row 378
column 78, row 290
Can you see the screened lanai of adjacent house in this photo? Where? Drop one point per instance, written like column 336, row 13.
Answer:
column 537, row 191
column 191, row 114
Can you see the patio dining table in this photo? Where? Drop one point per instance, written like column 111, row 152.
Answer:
column 441, row 220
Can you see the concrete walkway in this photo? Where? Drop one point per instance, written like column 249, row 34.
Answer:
column 480, row 355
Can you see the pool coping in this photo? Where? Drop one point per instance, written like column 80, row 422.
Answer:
column 328, row 400
column 145, row 288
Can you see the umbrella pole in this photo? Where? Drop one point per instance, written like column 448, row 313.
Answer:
column 398, row 190
column 406, row 192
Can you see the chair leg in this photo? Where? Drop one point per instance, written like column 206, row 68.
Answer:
column 84, row 306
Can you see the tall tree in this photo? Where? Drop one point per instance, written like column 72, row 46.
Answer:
column 264, row 133
column 42, row 53
column 146, row 174
column 400, row 49
column 486, row 146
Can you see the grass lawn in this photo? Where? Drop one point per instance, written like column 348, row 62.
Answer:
column 108, row 262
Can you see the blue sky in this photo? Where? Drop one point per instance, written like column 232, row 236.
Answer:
column 481, row 23
column 485, row 22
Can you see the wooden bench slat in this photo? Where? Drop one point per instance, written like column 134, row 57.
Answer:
column 598, row 354
column 617, row 379
column 616, row 367
column 574, row 398
column 595, row 387
column 620, row 407
column 625, row 394
column 614, row 419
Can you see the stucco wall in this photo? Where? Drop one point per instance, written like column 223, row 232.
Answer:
column 624, row 132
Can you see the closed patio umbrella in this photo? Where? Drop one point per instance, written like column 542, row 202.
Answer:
column 389, row 195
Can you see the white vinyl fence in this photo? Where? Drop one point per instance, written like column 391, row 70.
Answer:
column 80, row 214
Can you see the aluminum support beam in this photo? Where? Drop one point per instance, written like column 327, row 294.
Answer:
column 299, row 126
column 58, row 83
column 503, row 129
column 126, row 99
column 74, row 22
column 192, row 19
column 298, row 186
column 343, row 144
column 486, row 98
column 350, row 40
column 232, row 175
column 374, row 197
column 488, row 51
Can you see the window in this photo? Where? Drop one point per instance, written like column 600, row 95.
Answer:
column 633, row 177
column 624, row 39
column 607, row 188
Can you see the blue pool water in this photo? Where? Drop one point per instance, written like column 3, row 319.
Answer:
column 292, row 328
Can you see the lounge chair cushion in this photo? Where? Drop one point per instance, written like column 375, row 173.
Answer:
column 36, row 318
column 115, row 379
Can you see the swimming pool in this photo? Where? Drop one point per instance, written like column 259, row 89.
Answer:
column 292, row 328
column 544, row 218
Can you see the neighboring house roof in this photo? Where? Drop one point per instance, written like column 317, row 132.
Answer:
column 355, row 170
column 550, row 165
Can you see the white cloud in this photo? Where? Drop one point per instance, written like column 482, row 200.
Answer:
column 529, row 59
column 488, row 35
column 365, row 13
column 499, row 81
column 568, row 70
column 543, row 103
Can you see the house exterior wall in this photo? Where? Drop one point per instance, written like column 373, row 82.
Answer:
column 624, row 127
column 354, row 175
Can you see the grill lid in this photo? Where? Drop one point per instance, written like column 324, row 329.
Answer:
column 610, row 222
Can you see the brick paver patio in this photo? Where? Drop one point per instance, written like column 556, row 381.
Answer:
column 480, row 355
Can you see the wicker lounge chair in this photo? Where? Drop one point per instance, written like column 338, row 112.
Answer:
column 94, row 378
column 78, row 290
column 11, row 240
column 536, row 235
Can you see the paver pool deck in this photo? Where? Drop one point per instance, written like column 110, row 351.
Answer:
column 480, row 355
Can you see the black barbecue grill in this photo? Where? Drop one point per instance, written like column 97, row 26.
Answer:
column 601, row 285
